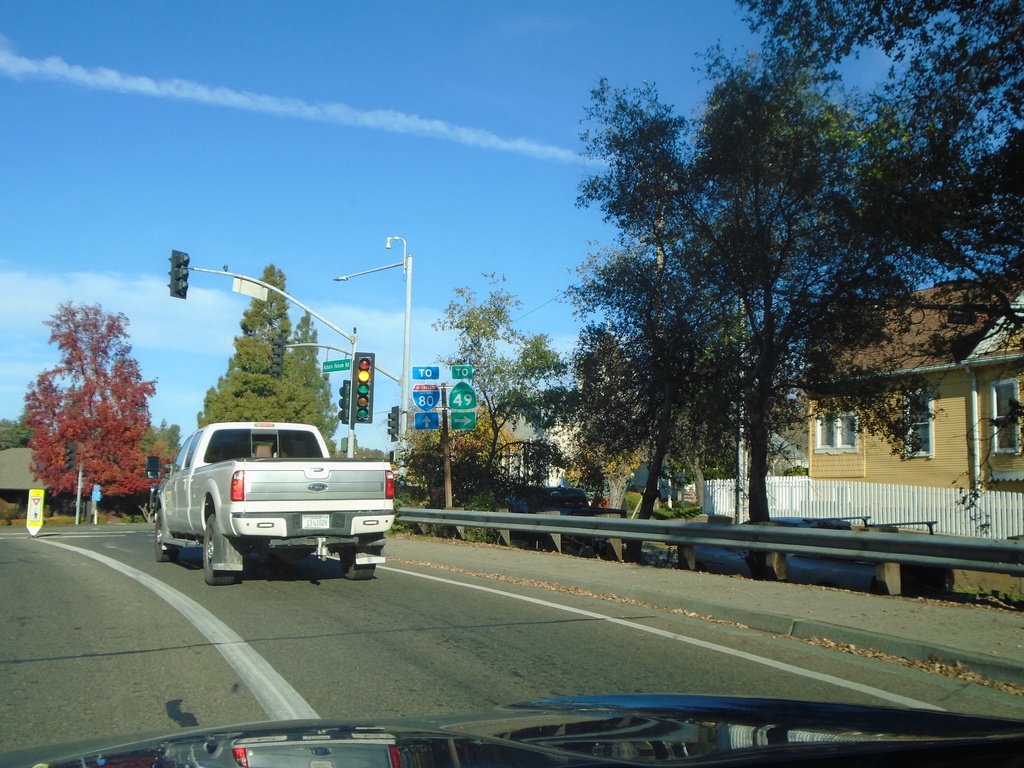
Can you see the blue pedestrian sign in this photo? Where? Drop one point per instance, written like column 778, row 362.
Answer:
column 426, row 396
column 427, row 420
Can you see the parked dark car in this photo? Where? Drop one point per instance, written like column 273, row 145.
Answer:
column 541, row 498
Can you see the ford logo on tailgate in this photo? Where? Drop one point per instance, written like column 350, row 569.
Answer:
column 317, row 487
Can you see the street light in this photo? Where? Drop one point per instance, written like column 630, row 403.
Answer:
column 406, row 368
column 406, row 263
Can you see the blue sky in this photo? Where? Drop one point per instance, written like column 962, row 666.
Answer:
column 303, row 135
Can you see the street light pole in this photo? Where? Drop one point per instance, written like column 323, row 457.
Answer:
column 404, row 380
column 406, row 367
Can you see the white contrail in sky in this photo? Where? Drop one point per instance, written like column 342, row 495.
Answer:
column 103, row 79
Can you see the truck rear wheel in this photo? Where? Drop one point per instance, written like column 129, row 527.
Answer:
column 164, row 554
column 212, row 577
column 350, row 570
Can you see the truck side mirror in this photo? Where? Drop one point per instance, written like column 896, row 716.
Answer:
column 152, row 467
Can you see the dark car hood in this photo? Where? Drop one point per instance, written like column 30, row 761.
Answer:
column 599, row 730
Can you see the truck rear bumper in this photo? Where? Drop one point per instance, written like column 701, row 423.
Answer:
column 298, row 525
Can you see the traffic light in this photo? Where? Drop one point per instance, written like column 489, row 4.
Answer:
column 179, row 275
column 362, row 385
column 345, row 404
column 277, row 357
column 71, row 456
column 393, row 418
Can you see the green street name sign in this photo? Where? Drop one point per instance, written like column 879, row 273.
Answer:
column 330, row 366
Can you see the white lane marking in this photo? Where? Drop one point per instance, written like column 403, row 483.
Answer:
column 279, row 700
column 778, row 665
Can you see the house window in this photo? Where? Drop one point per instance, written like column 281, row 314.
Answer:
column 919, row 439
column 1005, row 416
column 837, row 433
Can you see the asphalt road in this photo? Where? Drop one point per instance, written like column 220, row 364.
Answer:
column 99, row 639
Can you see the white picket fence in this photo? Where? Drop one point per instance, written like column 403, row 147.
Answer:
column 991, row 515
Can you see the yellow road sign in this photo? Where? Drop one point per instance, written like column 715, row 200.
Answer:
column 34, row 519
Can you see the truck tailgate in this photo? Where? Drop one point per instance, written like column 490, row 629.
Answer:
column 321, row 483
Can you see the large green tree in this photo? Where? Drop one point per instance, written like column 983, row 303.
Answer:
column 249, row 392
column 95, row 399
column 947, row 181
column 511, row 369
column 752, row 208
column 645, row 357
column 604, row 445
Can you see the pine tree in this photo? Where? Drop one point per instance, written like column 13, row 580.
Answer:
column 309, row 387
column 249, row 392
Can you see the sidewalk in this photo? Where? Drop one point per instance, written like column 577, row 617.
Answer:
column 987, row 640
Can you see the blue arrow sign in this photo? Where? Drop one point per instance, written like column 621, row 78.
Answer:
column 427, row 420
column 433, row 373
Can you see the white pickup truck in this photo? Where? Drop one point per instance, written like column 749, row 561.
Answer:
column 272, row 490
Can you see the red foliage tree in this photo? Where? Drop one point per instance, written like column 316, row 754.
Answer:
column 95, row 398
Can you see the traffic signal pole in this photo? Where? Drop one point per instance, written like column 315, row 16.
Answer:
column 78, row 495
column 241, row 281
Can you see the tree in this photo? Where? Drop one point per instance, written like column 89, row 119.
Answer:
column 472, row 480
column 14, row 434
column 646, row 365
column 249, row 392
column 749, row 213
column 658, row 336
column 605, row 445
column 945, row 183
column 310, row 388
column 510, row 369
column 774, row 190
column 163, row 441
column 95, row 399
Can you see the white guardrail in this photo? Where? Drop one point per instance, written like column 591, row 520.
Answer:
column 888, row 550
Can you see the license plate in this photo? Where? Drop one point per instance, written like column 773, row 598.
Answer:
column 316, row 521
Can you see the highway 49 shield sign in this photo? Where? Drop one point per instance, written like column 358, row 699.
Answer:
column 462, row 397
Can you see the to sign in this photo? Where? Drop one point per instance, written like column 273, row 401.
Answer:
column 433, row 373
column 34, row 519
column 426, row 420
column 426, row 396
column 330, row 366
column 462, row 371
column 462, row 397
column 464, row 420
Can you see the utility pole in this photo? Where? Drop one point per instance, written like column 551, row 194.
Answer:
column 445, row 448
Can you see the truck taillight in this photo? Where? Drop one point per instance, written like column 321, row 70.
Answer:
column 241, row 757
column 389, row 484
column 238, row 486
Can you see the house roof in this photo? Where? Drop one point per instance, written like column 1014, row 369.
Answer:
column 16, row 470
column 944, row 329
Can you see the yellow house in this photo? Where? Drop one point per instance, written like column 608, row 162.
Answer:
column 967, row 431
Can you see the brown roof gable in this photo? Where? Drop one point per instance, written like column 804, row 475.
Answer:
column 944, row 326
column 16, row 470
